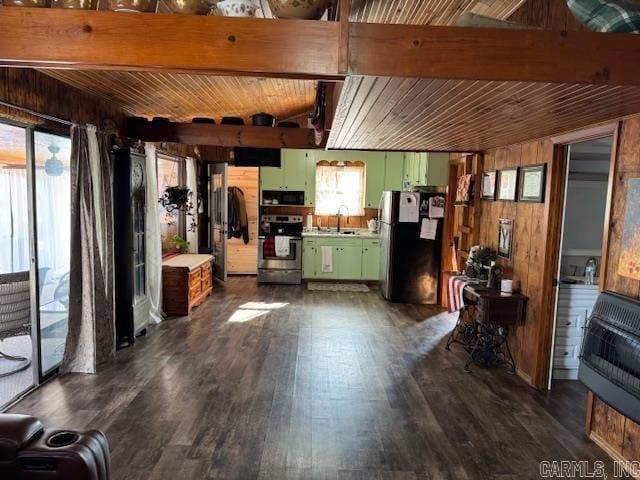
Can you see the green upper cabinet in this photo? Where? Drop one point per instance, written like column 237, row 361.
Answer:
column 310, row 188
column 437, row 169
column 393, row 170
column 271, row 178
column 374, row 179
column 294, row 166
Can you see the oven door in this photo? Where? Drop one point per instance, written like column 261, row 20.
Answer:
column 291, row 262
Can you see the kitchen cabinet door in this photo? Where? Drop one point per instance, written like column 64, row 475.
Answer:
column 349, row 262
column 318, row 263
column 308, row 259
column 421, row 171
column 295, row 169
column 393, row 170
column 310, row 184
column 437, row 169
column 271, row 178
column 408, row 167
column 370, row 261
column 374, row 180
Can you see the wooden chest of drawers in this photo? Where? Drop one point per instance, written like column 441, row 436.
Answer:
column 186, row 283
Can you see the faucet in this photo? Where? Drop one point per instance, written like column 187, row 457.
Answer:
column 338, row 216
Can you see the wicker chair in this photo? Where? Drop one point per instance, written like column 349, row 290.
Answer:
column 15, row 313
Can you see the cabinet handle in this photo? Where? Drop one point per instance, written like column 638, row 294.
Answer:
column 568, row 323
column 566, row 353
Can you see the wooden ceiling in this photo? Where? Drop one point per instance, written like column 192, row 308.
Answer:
column 180, row 97
column 452, row 115
column 428, row 12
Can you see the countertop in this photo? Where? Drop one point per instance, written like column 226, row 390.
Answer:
column 187, row 260
column 581, row 283
column 361, row 233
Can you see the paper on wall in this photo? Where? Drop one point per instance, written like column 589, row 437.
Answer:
column 436, row 207
column 409, row 207
column 428, row 229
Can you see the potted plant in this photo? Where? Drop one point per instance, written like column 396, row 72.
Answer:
column 479, row 258
column 176, row 200
column 180, row 243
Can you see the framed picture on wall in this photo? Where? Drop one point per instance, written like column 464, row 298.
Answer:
column 505, row 238
column 488, row 185
column 464, row 189
column 532, row 180
column 507, row 184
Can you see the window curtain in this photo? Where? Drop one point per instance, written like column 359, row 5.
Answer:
column 153, row 247
column 91, row 335
column 192, row 184
column 14, row 222
column 338, row 185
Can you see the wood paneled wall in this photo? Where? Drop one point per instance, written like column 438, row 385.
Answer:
column 36, row 91
column 529, row 254
column 243, row 258
column 618, row 435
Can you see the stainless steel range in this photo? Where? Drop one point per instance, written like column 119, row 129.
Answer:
column 280, row 249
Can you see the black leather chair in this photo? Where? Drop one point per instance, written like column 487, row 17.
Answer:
column 28, row 451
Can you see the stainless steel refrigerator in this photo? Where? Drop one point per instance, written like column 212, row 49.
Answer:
column 409, row 265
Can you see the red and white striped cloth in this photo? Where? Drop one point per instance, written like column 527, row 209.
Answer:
column 456, row 288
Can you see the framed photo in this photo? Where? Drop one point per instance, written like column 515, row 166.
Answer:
column 463, row 192
column 507, row 184
column 505, row 238
column 532, row 180
column 488, row 185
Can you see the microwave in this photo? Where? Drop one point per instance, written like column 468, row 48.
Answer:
column 282, row 197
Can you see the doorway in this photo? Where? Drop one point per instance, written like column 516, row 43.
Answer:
column 35, row 236
column 586, row 195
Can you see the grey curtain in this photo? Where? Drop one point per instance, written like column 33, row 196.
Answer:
column 91, row 335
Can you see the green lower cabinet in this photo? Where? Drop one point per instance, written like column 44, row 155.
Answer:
column 308, row 258
column 371, row 261
column 348, row 262
column 353, row 259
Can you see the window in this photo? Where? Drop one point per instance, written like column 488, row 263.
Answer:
column 337, row 185
column 170, row 174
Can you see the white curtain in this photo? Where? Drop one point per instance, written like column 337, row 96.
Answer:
column 14, row 222
column 192, row 184
column 338, row 185
column 153, row 247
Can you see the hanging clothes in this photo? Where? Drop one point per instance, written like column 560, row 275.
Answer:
column 238, row 222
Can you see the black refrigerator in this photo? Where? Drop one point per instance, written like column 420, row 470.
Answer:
column 409, row 265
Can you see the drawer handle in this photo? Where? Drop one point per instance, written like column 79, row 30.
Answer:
column 566, row 353
column 568, row 323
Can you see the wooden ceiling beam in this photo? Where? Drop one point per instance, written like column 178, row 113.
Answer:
column 469, row 53
column 221, row 135
column 104, row 40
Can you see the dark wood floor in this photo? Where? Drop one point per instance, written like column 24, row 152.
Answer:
column 276, row 382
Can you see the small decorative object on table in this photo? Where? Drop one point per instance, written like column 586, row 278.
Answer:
column 479, row 258
column 182, row 246
column 302, row 9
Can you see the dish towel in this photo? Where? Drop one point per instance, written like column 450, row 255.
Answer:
column 456, row 288
column 282, row 246
column 327, row 259
column 269, row 247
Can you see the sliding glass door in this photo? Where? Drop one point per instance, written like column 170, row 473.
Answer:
column 17, row 372
column 53, row 223
column 35, row 228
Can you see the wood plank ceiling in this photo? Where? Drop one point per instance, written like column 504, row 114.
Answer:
column 452, row 115
column 180, row 97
